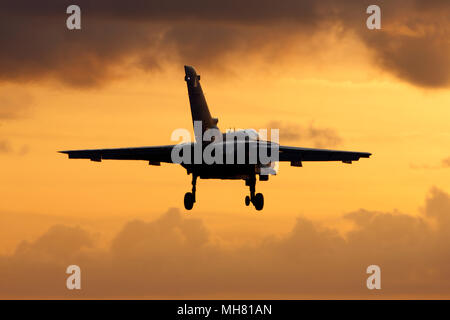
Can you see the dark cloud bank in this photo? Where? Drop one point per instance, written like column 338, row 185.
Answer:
column 175, row 256
column 413, row 43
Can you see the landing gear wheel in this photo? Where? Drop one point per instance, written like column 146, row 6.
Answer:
column 188, row 200
column 247, row 201
column 258, row 201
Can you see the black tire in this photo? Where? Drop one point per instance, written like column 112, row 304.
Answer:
column 247, row 201
column 258, row 202
column 188, row 200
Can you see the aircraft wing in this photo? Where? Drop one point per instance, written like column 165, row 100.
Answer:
column 159, row 154
column 297, row 155
column 155, row 154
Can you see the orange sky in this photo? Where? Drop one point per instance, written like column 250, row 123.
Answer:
column 331, row 81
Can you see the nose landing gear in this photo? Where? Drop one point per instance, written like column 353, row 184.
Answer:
column 247, row 201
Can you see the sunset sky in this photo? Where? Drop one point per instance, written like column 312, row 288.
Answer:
column 311, row 68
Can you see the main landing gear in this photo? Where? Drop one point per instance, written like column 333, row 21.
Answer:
column 256, row 199
column 189, row 197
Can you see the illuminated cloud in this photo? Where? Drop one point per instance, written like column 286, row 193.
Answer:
column 4, row 146
column 174, row 256
column 446, row 162
column 14, row 104
column 316, row 136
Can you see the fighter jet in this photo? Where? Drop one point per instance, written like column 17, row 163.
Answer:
column 235, row 154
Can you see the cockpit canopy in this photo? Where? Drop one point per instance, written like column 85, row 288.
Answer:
column 252, row 134
column 249, row 134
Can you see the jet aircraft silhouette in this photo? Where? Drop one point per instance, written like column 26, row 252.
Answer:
column 241, row 148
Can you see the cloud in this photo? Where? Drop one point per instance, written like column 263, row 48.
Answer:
column 58, row 242
column 175, row 256
column 419, row 58
column 14, row 104
column 4, row 146
column 318, row 137
column 118, row 35
column 445, row 163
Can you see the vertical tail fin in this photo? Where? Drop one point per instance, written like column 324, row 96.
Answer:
column 199, row 107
